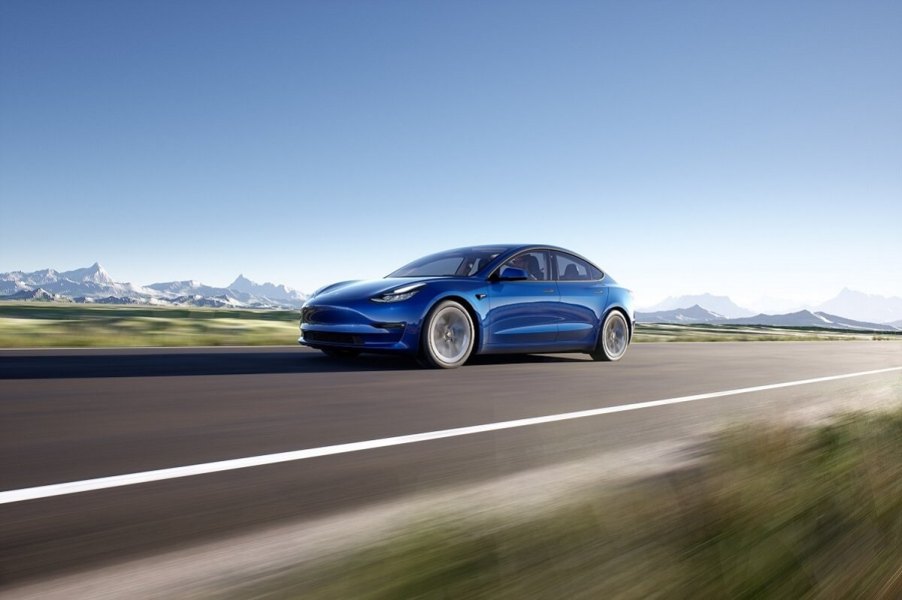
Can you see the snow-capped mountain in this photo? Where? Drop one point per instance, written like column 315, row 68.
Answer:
column 93, row 274
column 864, row 307
column 245, row 294
column 187, row 288
column 93, row 281
column 721, row 305
column 807, row 318
column 693, row 314
column 95, row 285
column 266, row 290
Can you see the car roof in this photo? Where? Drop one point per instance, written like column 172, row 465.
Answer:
column 505, row 248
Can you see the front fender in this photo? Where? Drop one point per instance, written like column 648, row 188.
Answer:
column 475, row 300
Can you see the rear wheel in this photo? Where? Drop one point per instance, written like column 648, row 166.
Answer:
column 340, row 352
column 448, row 336
column 614, row 338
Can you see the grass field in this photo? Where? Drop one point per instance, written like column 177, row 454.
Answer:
column 771, row 512
column 32, row 325
column 36, row 325
column 649, row 332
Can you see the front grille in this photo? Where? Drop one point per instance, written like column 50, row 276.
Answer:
column 327, row 315
column 333, row 338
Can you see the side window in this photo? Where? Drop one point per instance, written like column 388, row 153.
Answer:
column 570, row 268
column 535, row 263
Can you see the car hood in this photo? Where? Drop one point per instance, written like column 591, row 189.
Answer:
column 367, row 288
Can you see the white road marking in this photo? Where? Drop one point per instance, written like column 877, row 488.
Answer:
column 88, row 485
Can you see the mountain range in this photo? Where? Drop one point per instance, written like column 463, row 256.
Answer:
column 852, row 305
column 804, row 318
column 722, row 305
column 864, row 307
column 95, row 285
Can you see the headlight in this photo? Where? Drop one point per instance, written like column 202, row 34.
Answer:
column 398, row 294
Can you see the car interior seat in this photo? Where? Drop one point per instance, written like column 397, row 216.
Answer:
column 532, row 267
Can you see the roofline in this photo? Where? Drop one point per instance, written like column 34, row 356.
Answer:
column 517, row 248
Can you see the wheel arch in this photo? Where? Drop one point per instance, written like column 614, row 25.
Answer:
column 626, row 315
column 468, row 306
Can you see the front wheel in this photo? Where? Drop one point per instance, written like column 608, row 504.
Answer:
column 448, row 336
column 614, row 338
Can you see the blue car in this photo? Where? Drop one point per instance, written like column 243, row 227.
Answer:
column 449, row 306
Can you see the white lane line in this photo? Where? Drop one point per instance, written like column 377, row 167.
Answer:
column 88, row 485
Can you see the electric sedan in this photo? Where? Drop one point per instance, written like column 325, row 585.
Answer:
column 446, row 307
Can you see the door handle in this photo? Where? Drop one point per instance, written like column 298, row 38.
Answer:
column 549, row 291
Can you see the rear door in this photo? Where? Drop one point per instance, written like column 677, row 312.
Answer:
column 583, row 295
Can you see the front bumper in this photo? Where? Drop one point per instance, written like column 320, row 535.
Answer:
column 366, row 328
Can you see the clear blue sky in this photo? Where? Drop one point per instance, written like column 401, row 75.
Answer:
column 742, row 148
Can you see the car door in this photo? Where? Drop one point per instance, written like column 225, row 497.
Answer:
column 583, row 294
column 523, row 314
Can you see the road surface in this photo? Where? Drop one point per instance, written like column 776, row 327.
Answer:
column 78, row 415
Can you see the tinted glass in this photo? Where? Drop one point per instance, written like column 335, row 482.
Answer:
column 570, row 268
column 534, row 263
column 460, row 263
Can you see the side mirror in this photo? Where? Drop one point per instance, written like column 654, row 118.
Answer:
column 513, row 274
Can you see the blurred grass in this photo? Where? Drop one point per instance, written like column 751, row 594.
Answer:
column 655, row 332
column 72, row 325
column 772, row 512
column 36, row 325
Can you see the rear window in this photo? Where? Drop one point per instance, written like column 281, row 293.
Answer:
column 571, row 268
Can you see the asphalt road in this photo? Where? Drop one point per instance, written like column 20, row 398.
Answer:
column 68, row 415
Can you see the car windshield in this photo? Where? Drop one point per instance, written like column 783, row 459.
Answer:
column 463, row 262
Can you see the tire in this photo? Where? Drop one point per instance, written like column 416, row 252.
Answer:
column 340, row 352
column 448, row 335
column 614, row 338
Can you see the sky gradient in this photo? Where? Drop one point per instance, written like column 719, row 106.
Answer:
column 744, row 149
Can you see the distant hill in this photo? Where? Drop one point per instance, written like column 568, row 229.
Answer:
column 693, row 314
column 864, row 307
column 856, row 307
column 722, row 305
column 803, row 318
column 39, row 294
column 807, row 318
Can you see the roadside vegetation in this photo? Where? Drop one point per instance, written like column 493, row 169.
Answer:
column 769, row 512
column 34, row 325
column 660, row 332
column 48, row 324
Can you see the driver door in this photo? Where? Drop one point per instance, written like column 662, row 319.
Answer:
column 523, row 313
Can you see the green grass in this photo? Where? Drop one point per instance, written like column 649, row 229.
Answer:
column 652, row 332
column 74, row 325
column 773, row 512
column 40, row 324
